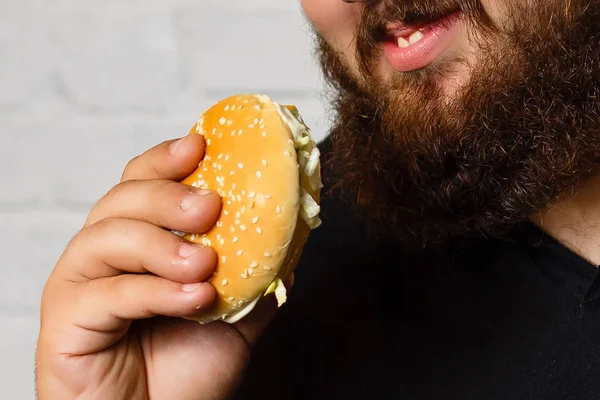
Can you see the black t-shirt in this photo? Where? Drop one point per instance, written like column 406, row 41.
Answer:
column 503, row 319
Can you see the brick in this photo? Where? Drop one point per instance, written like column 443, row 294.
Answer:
column 32, row 243
column 228, row 51
column 18, row 338
column 69, row 158
column 119, row 59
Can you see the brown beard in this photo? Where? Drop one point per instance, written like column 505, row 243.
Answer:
column 524, row 130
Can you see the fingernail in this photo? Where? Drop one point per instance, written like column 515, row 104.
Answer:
column 191, row 287
column 175, row 145
column 186, row 250
column 193, row 198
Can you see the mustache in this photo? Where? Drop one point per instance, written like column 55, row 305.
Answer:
column 422, row 12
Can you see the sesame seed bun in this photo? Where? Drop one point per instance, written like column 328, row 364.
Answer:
column 264, row 164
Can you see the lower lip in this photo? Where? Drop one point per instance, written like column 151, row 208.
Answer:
column 435, row 42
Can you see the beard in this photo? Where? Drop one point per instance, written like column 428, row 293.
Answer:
column 522, row 131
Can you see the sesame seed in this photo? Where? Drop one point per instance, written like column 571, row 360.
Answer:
column 268, row 196
column 262, row 126
column 250, row 272
column 278, row 210
column 225, row 212
column 268, row 255
column 219, row 224
column 229, row 122
column 268, row 268
column 233, row 107
column 264, row 134
column 235, row 240
column 243, row 210
column 237, row 215
column 256, row 120
column 237, row 222
column 254, row 220
column 251, row 195
column 244, row 276
column 228, row 202
column 251, row 126
column 265, row 163
column 227, row 107
column 220, row 135
column 240, row 252
column 232, row 173
column 233, row 186
column 232, row 229
column 239, row 198
column 227, row 157
column 222, row 242
column 223, row 120
column 240, row 166
column 240, row 132
column 218, row 236
column 240, row 302
column 257, row 107
column 254, row 264
column 243, row 192
column 223, row 259
column 261, row 121
column 258, row 174
column 233, row 132
column 259, row 231
column 231, row 298
column 224, row 282
column 208, row 142
column 287, row 153
column 243, row 227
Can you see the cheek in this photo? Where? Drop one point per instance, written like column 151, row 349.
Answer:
column 334, row 20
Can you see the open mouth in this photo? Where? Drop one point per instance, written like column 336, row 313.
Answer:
column 409, row 48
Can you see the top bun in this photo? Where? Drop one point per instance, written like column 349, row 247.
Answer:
column 262, row 161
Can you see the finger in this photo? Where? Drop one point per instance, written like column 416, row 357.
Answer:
column 173, row 160
column 252, row 326
column 114, row 246
column 104, row 308
column 163, row 203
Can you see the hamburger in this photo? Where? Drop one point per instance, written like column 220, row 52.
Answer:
column 261, row 159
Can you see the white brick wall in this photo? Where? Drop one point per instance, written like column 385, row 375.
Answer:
column 85, row 86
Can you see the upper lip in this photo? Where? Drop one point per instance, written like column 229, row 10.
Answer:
column 398, row 29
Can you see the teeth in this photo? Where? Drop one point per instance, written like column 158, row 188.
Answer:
column 412, row 39
column 403, row 43
column 415, row 37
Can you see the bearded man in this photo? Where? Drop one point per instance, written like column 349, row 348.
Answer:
column 460, row 241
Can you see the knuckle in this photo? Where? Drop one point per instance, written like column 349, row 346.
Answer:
column 98, row 229
column 130, row 166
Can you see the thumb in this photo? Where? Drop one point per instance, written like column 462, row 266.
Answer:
column 252, row 326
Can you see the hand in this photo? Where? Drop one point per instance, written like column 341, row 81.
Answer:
column 106, row 331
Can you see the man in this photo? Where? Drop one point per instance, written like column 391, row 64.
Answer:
column 457, row 258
